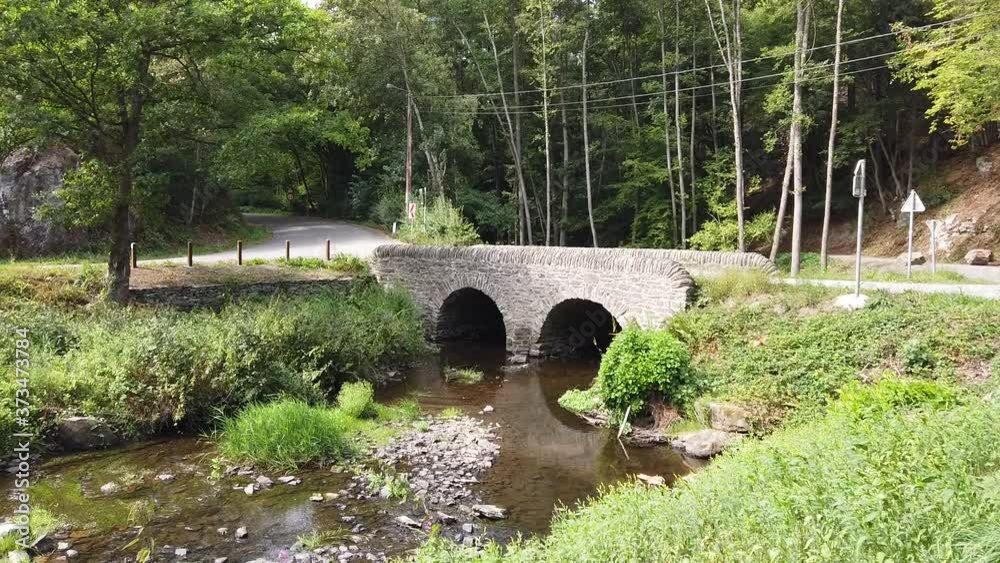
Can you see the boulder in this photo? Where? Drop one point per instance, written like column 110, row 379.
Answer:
column 490, row 511
column 979, row 257
column 29, row 178
column 917, row 259
column 728, row 417
column 984, row 165
column 81, row 433
column 704, row 443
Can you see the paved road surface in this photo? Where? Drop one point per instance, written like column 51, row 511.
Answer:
column 308, row 237
column 975, row 290
column 989, row 274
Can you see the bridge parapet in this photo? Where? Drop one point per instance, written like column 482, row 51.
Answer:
column 547, row 299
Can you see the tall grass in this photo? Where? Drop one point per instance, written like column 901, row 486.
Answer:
column 150, row 369
column 286, row 434
column 911, row 483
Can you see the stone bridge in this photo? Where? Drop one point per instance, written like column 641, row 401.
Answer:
column 548, row 300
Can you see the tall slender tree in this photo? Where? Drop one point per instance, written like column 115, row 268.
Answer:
column 828, row 199
column 586, row 135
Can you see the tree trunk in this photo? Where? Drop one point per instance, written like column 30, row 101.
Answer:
column 565, row 175
column 525, row 215
column 119, row 264
column 677, row 121
column 694, row 195
column 666, row 129
column 715, row 111
column 783, row 204
column 548, row 156
column 824, row 244
column 730, row 45
column 800, row 46
column 586, row 139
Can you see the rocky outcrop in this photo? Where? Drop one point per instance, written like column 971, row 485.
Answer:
column 979, row 257
column 29, row 178
column 704, row 443
column 81, row 433
column 728, row 417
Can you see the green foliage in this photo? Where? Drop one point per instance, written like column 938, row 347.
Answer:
column 86, row 198
column 734, row 284
column 582, row 401
column 398, row 484
column 464, row 376
column 146, row 369
column 641, row 364
column 41, row 524
column 890, row 394
column 440, row 224
column 913, row 483
column 451, row 412
column 356, row 398
column 344, row 263
column 286, row 434
column 788, row 351
column 722, row 231
column 956, row 65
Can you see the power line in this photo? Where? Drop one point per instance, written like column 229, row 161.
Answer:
column 690, row 70
column 533, row 109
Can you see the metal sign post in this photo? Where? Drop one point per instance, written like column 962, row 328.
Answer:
column 932, row 224
column 858, row 189
column 912, row 205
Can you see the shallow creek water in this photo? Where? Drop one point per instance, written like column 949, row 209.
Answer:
column 548, row 457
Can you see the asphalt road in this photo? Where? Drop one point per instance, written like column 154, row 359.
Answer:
column 988, row 274
column 308, row 239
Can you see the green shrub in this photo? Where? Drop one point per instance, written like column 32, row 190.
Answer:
column 355, row 399
column 734, row 284
column 642, row 363
column 889, row 394
column 582, row 401
column 909, row 484
column 145, row 369
column 286, row 434
column 440, row 224
column 916, row 355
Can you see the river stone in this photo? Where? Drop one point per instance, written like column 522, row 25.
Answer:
column 316, row 497
column 917, row 259
column 385, row 492
column 165, row 477
column 242, row 532
column 287, row 480
column 81, row 433
column 264, row 481
column 220, row 560
column 490, row 511
column 109, row 488
column 488, row 409
column 330, row 496
column 181, row 552
column 19, row 556
column 446, row 518
column 407, row 521
column 248, row 489
column 979, row 257
column 29, row 179
column 652, row 480
column 704, row 443
column 728, row 417
column 222, row 531
column 468, row 528
column 70, row 554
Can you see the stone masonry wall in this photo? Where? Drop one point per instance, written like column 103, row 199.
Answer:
column 214, row 296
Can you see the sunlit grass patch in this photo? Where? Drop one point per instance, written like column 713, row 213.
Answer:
column 465, row 376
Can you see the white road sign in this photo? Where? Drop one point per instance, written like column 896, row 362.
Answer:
column 913, row 204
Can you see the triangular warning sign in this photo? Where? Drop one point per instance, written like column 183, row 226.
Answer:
column 913, row 204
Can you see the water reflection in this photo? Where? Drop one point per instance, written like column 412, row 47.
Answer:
column 548, row 456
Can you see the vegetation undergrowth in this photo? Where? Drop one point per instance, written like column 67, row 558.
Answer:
column 893, row 472
column 439, row 224
column 464, row 376
column 811, row 267
column 289, row 433
column 151, row 369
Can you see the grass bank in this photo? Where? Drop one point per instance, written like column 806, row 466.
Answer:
column 151, row 369
column 888, row 474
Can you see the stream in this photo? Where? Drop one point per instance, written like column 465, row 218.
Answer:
column 547, row 458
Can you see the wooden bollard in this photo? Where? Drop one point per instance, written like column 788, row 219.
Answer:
column 239, row 252
column 288, row 250
column 327, row 250
column 132, row 256
column 190, row 254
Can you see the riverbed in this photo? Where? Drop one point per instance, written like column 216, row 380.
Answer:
column 548, row 458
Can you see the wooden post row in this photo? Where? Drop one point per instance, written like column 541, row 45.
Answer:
column 239, row 252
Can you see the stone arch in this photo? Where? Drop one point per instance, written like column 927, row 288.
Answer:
column 468, row 313
column 577, row 327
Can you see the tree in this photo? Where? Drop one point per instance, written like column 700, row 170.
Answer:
column 802, row 8
column 729, row 40
column 94, row 68
column 957, row 66
column 586, row 136
column 828, row 199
